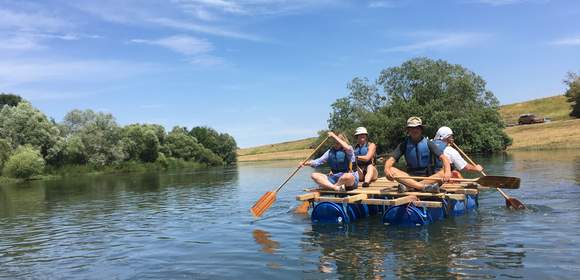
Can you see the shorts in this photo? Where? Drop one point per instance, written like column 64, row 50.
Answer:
column 334, row 178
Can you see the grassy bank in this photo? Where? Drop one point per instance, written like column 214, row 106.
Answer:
column 555, row 108
column 546, row 136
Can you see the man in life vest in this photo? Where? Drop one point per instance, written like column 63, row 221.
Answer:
column 443, row 139
column 418, row 152
column 340, row 158
column 365, row 157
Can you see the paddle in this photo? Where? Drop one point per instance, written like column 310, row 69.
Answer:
column 270, row 197
column 509, row 201
column 486, row 181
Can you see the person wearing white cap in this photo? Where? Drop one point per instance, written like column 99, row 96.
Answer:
column 365, row 157
column 418, row 152
column 443, row 139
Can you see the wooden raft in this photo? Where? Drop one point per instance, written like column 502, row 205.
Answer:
column 384, row 192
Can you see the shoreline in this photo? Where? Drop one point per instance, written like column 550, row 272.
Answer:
column 556, row 135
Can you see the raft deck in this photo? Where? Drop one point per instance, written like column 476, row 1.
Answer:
column 384, row 192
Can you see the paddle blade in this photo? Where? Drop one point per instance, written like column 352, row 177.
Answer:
column 502, row 182
column 263, row 204
column 514, row 203
column 302, row 208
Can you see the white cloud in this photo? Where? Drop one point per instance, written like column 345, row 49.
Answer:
column 439, row 41
column 11, row 20
column 384, row 4
column 184, row 44
column 497, row 3
column 212, row 30
column 570, row 41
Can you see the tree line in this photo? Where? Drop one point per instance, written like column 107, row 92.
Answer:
column 30, row 141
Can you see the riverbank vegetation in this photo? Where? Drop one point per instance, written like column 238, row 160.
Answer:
column 442, row 94
column 31, row 144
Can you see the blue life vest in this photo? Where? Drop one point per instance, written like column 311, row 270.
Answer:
column 438, row 164
column 339, row 161
column 418, row 157
column 362, row 151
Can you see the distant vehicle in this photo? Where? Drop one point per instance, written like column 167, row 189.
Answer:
column 529, row 119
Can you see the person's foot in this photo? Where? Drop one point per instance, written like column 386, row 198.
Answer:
column 365, row 185
column 341, row 188
column 401, row 188
column 433, row 188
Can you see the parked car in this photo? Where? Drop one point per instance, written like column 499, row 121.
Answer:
column 529, row 119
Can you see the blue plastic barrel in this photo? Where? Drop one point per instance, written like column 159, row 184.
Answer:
column 335, row 213
column 406, row 215
column 460, row 207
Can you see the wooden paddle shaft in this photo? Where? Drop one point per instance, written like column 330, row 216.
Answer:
column 303, row 162
column 482, row 173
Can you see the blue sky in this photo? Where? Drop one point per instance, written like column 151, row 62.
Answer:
column 267, row 71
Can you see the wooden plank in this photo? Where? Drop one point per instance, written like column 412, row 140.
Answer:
column 347, row 199
column 390, row 202
column 464, row 191
column 455, row 196
column 307, row 196
column 428, row 204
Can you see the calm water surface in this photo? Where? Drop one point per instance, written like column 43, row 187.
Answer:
column 197, row 225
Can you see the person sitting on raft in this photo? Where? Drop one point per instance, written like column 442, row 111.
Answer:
column 365, row 157
column 444, row 140
column 418, row 152
column 340, row 158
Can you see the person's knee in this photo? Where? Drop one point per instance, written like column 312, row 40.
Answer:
column 347, row 176
column 315, row 176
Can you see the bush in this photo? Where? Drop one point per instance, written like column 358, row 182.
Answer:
column 5, row 151
column 24, row 163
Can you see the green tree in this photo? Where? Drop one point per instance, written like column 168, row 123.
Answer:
column 5, row 151
column 24, row 124
column 24, row 163
column 438, row 92
column 180, row 144
column 141, row 142
column 99, row 134
column 9, row 99
column 221, row 144
column 573, row 93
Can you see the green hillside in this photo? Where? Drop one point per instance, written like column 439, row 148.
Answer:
column 555, row 108
column 279, row 147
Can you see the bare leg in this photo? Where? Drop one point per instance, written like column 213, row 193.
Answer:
column 439, row 174
column 407, row 182
column 372, row 174
column 322, row 181
column 346, row 179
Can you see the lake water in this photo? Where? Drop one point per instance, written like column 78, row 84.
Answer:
column 197, row 225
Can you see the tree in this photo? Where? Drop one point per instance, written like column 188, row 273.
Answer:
column 141, row 142
column 181, row 144
column 9, row 99
column 431, row 89
column 573, row 93
column 24, row 124
column 221, row 144
column 99, row 134
column 5, row 152
column 24, row 163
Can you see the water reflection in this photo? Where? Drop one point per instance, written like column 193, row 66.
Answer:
column 370, row 250
column 262, row 238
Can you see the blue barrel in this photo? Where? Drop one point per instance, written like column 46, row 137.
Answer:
column 335, row 213
column 460, row 207
column 406, row 215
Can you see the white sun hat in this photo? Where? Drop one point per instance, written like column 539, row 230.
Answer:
column 360, row 130
column 443, row 132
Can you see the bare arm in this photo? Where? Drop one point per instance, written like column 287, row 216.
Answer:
column 345, row 146
column 370, row 154
column 446, row 167
column 388, row 165
column 474, row 168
